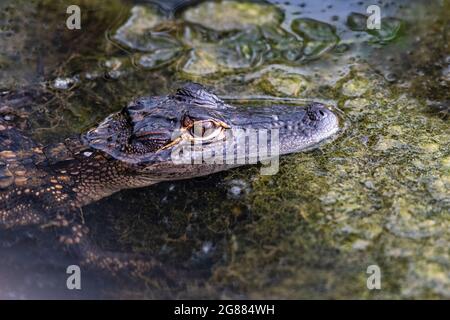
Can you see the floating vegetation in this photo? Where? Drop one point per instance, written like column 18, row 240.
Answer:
column 377, row 194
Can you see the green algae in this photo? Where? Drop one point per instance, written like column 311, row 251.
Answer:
column 389, row 29
column 211, row 56
column 355, row 87
column 143, row 20
column 321, row 37
column 279, row 83
column 145, row 31
column 239, row 15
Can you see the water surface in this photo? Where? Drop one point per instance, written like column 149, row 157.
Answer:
column 378, row 194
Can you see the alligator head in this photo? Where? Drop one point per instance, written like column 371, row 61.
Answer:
column 193, row 133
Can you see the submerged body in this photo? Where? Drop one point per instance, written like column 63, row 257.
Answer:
column 46, row 185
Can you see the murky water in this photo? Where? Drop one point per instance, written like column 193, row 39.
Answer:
column 377, row 195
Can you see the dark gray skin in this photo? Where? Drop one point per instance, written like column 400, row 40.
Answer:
column 46, row 186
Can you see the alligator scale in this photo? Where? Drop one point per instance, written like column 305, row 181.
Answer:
column 47, row 185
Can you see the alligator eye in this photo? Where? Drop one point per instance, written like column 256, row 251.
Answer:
column 205, row 130
column 187, row 122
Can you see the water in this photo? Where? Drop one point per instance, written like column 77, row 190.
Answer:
column 378, row 194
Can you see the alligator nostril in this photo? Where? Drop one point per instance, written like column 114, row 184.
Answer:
column 312, row 115
column 316, row 112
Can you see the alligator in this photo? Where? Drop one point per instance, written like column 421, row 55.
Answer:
column 46, row 186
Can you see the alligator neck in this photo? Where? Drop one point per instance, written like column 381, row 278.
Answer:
column 94, row 176
column 68, row 184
